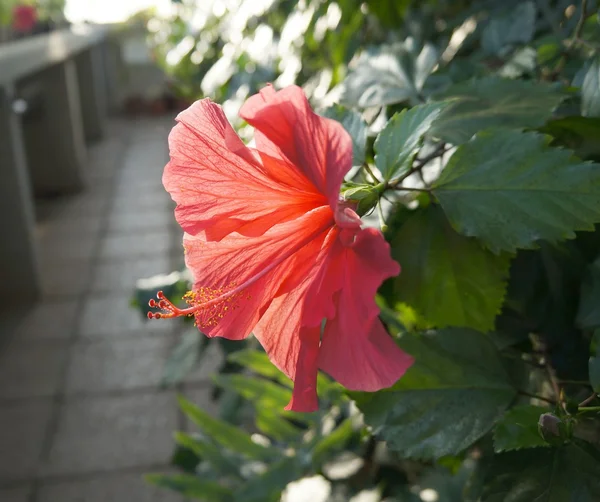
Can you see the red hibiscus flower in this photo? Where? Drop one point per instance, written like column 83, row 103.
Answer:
column 274, row 250
column 24, row 18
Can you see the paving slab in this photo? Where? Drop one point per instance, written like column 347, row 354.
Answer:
column 129, row 487
column 112, row 315
column 49, row 319
column 122, row 275
column 15, row 494
column 107, row 365
column 32, row 369
column 23, row 428
column 152, row 243
column 107, row 433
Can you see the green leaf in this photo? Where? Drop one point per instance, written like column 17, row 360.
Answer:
column 594, row 362
column 504, row 32
column 447, row 278
column 259, row 363
column 192, row 486
column 590, row 90
column 401, row 139
column 518, row 428
column 451, row 396
column 577, row 133
column 494, row 102
column 522, row 62
column 258, row 390
column 570, row 473
column 334, row 441
column 588, row 313
column 220, row 460
column 268, row 486
column 184, row 357
column 356, row 128
column 511, row 190
column 228, row 436
column 273, row 425
column 389, row 74
column 263, row 394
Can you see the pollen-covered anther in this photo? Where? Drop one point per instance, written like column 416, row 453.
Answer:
column 208, row 305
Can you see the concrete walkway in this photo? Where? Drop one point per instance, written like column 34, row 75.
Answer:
column 82, row 416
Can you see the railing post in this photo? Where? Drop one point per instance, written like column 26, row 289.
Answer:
column 19, row 267
column 91, row 75
column 55, row 143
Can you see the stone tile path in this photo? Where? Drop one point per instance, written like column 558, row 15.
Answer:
column 82, row 416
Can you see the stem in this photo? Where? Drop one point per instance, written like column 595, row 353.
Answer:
column 419, row 164
column 587, row 400
column 575, row 382
column 407, row 189
column 552, row 378
column 590, row 408
column 576, row 38
column 368, row 169
column 535, row 396
column 581, row 22
column 382, row 224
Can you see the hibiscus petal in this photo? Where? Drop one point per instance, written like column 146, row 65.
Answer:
column 304, row 395
column 262, row 262
column 287, row 127
column 356, row 349
column 220, row 185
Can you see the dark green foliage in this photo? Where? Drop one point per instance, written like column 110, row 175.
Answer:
column 475, row 130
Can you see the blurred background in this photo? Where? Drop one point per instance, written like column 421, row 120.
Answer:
column 88, row 388
column 91, row 392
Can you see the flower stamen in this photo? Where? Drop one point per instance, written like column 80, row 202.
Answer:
column 209, row 305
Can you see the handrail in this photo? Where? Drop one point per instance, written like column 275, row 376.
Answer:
column 20, row 58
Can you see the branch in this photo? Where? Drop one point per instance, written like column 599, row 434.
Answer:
column 368, row 169
column 581, row 22
column 419, row 164
column 535, row 396
column 587, row 400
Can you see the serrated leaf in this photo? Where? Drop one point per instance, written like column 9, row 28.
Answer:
column 511, row 190
column 355, row 126
column 570, row 473
column 504, row 32
column 588, row 313
column 590, row 90
column 389, row 74
column 192, row 486
column 183, row 357
column 226, row 435
column 447, row 278
column 401, row 139
column 494, row 102
column 451, row 396
column 577, row 133
column 220, row 460
column 518, row 428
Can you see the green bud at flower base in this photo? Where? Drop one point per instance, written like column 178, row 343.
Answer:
column 367, row 196
column 553, row 430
